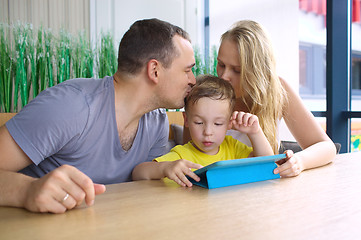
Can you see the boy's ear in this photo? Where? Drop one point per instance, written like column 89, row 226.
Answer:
column 185, row 119
column 153, row 67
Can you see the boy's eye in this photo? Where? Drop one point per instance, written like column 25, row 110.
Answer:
column 198, row 123
column 218, row 124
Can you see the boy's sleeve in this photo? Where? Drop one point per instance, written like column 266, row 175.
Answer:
column 241, row 150
column 171, row 156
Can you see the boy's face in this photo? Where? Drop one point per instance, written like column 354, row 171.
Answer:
column 208, row 121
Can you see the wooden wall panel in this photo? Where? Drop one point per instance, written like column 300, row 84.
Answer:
column 39, row 14
column 55, row 14
column 18, row 11
column 78, row 16
column 4, row 14
column 107, row 15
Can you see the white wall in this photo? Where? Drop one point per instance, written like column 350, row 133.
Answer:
column 116, row 16
column 279, row 18
column 94, row 16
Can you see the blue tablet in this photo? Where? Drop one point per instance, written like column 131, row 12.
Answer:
column 238, row 171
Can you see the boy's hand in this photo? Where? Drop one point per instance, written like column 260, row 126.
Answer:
column 245, row 122
column 290, row 166
column 177, row 170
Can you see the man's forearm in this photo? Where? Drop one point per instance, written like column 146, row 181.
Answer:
column 13, row 188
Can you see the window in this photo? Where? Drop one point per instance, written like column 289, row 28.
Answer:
column 312, row 70
column 356, row 73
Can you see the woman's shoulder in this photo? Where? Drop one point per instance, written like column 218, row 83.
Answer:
column 294, row 101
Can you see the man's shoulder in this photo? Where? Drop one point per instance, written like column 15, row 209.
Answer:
column 88, row 85
column 159, row 114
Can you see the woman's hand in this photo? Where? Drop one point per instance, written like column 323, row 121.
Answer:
column 290, row 166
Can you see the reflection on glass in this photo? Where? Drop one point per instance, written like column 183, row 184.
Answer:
column 303, row 68
column 355, row 134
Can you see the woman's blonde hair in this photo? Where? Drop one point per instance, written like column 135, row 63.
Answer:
column 264, row 94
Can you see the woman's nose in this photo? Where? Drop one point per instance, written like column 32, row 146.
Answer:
column 225, row 75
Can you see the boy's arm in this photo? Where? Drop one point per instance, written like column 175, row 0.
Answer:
column 248, row 123
column 175, row 170
column 260, row 144
column 147, row 171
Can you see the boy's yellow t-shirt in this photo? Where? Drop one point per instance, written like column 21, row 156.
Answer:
column 229, row 149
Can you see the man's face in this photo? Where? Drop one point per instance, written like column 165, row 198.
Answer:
column 178, row 79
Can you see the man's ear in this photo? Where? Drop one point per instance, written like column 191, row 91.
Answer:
column 153, row 67
column 185, row 119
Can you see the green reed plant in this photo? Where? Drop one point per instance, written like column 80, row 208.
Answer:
column 49, row 57
column 21, row 85
column 83, row 57
column 198, row 68
column 106, row 56
column 33, row 60
column 205, row 66
column 40, row 81
column 30, row 60
column 89, row 54
column 213, row 61
column 6, row 69
column 63, row 56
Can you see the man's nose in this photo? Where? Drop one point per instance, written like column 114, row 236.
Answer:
column 192, row 79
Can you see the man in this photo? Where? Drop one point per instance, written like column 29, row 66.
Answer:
column 87, row 131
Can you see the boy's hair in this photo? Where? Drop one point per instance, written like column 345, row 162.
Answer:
column 145, row 40
column 211, row 87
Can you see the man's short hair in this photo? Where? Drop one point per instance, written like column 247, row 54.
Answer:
column 145, row 40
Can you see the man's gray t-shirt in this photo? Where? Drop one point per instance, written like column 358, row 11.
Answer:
column 74, row 123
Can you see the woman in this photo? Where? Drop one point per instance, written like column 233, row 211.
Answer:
column 246, row 59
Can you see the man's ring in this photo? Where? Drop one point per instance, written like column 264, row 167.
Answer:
column 65, row 198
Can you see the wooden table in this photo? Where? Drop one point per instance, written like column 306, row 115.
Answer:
column 322, row 203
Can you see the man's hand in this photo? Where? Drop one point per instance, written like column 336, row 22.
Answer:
column 62, row 189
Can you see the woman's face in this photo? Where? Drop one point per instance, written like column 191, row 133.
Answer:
column 228, row 66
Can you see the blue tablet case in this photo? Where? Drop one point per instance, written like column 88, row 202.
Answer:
column 238, row 171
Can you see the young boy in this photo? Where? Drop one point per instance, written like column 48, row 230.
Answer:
column 208, row 114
